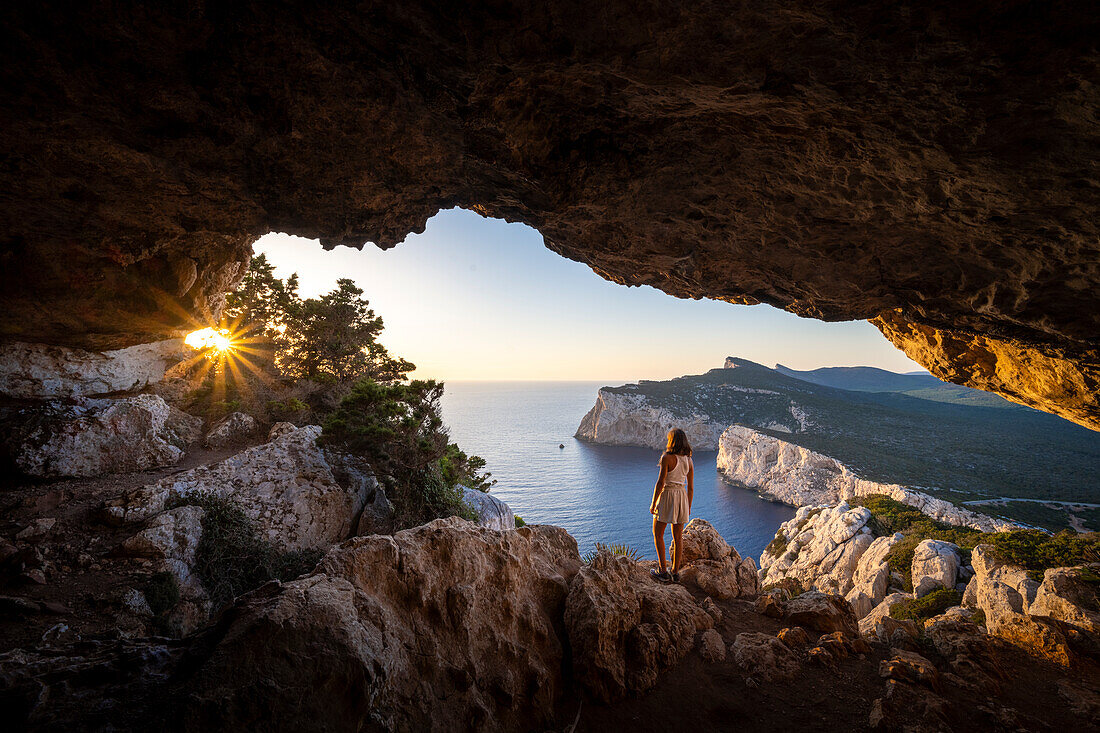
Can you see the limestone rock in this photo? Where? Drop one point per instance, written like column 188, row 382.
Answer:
column 821, row 612
column 680, row 204
column 868, row 625
column 1066, row 596
column 625, row 629
column 712, row 646
column 772, row 603
column 97, row 436
column 626, row 419
column 872, row 576
column 280, row 429
column 800, row 477
column 231, row 429
column 764, row 657
column 1001, row 591
column 287, row 487
column 1037, row 635
column 712, row 608
column 935, row 565
column 907, row 666
column 822, row 549
column 492, row 513
column 703, row 542
column 42, row 371
column 377, row 516
column 443, row 627
column 794, row 637
column 172, row 539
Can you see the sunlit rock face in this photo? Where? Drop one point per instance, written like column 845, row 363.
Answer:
column 933, row 163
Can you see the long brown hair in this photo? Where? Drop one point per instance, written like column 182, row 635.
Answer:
column 678, row 443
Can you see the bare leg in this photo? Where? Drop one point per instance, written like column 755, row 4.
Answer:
column 677, row 546
column 659, row 541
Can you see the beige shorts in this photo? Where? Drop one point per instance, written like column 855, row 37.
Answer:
column 672, row 505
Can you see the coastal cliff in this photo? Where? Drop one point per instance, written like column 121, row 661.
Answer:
column 798, row 476
column 628, row 419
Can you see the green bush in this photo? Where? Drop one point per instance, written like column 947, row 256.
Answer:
column 398, row 430
column 232, row 558
column 931, row 605
column 520, row 522
column 1036, row 550
column 889, row 516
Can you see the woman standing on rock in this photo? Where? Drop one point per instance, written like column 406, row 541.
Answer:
column 672, row 501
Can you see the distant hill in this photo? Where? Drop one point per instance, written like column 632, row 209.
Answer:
column 897, row 428
column 920, row 385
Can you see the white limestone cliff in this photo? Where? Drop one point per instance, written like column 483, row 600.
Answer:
column 628, row 419
column 795, row 475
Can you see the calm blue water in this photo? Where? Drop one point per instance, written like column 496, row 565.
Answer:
column 598, row 493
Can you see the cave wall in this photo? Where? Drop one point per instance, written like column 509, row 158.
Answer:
column 932, row 166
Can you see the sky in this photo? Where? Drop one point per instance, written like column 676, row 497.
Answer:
column 481, row 299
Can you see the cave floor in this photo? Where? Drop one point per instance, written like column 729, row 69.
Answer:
column 1028, row 694
column 85, row 582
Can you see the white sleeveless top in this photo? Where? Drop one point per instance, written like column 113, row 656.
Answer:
column 678, row 473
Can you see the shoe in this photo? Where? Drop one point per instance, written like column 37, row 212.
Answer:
column 661, row 576
column 675, row 577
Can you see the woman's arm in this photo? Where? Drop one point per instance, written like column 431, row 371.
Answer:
column 659, row 487
column 691, row 482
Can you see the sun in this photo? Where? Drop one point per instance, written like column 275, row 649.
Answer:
column 218, row 339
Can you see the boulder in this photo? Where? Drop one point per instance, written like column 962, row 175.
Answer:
column 703, row 542
column 935, row 565
column 492, row 513
column 821, row 548
column 624, row 628
column 444, row 627
column 232, row 429
column 171, row 540
column 764, row 657
column 907, row 666
column 872, row 575
column 794, row 637
column 987, row 566
column 711, row 646
column 868, row 625
column 1037, row 635
column 377, row 516
column 287, row 487
column 714, row 567
column 821, row 612
column 1071, row 595
column 97, row 436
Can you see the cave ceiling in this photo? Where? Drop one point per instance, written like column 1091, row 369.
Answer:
column 929, row 166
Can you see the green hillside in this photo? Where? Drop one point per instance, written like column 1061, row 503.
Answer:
column 921, row 386
column 959, row 452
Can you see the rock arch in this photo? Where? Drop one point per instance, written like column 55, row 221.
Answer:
column 928, row 166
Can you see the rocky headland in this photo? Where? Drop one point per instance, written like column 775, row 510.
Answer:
column 816, row 443
column 794, row 475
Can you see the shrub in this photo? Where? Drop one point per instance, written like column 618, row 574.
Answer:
column 615, row 549
column 232, row 558
column 162, row 593
column 889, row 516
column 931, row 605
column 1036, row 551
column 520, row 522
column 398, row 430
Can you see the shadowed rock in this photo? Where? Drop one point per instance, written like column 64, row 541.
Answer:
column 929, row 170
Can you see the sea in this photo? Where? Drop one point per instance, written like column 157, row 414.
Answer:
column 599, row 493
